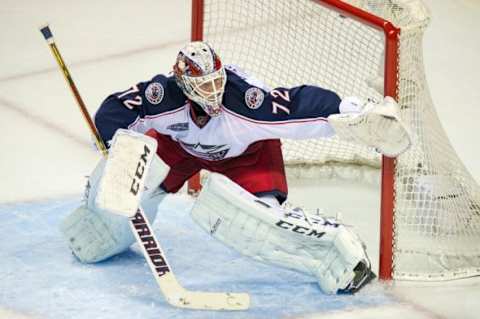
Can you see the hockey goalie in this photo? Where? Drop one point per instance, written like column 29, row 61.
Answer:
column 220, row 119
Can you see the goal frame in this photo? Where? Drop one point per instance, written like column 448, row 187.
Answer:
column 391, row 34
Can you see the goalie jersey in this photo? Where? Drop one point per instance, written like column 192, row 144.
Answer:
column 250, row 112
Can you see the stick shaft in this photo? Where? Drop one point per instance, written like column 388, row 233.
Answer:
column 66, row 74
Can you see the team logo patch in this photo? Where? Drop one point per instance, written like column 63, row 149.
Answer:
column 154, row 93
column 254, row 98
column 208, row 152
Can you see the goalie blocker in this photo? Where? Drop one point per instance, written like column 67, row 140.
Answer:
column 293, row 239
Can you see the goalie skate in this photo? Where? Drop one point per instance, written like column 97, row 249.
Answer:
column 363, row 275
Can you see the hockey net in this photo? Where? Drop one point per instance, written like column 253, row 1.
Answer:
column 430, row 219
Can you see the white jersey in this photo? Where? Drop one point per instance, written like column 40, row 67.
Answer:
column 250, row 113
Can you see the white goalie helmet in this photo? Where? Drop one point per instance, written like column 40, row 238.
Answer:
column 201, row 76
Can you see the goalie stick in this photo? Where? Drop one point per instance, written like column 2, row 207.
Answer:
column 173, row 292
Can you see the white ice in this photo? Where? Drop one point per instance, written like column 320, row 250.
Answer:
column 46, row 152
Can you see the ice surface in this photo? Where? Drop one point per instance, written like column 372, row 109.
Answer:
column 39, row 275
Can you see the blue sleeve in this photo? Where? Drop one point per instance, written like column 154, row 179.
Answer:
column 113, row 115
column 122, row 109
column 280, row 104
column 302, row 102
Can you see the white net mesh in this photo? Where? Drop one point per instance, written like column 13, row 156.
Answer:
column 288, row 43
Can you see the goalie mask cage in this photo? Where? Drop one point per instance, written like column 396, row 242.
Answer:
column 430, row 205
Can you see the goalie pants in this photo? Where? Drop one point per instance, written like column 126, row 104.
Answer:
column 259, row 170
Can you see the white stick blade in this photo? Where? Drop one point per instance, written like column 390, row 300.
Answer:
column 180, row 297
column 212, row 301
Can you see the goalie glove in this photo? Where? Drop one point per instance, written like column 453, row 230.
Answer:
column 377, row 125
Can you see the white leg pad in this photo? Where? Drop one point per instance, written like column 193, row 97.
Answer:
column 378, row 125
column 95, row 234
column 314, row 245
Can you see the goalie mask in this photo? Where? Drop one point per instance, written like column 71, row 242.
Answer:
column 201, row 76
